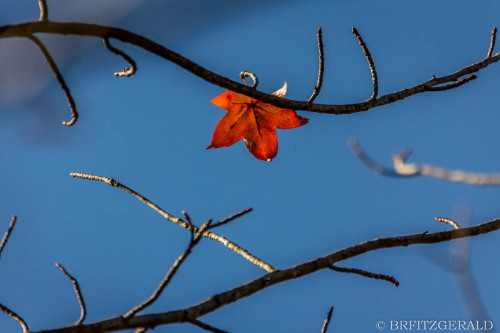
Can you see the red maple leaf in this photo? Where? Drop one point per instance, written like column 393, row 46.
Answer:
column 253, row 121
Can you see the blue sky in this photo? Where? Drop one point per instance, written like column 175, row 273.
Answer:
column 150, row 132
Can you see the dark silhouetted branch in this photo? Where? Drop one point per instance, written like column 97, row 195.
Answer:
column 402, row 169
column 83, row 29
column 204, row 326
column 126, row 71
column 59, row 78
column 166, row 280
column 230, row 245
column 78, row 293
column 371, row 64
column 7, row 233
column 492, row 42
column 366, row 274
column 321, row 67
column 16, row 317
column 327, row 321
column 217, row 301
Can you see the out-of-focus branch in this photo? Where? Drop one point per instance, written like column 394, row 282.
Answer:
column 59, row 78
column 217, row 301
column 44, row 11
column 366, row 274
column 321, row 67
column 204, row 326
column 371, row 64
column 448, row 221
column 173, row 269
column 7, row 233
column 255, row 79
column 126, row 71
column 83, row 29
column 78, row 293
column 208, row 234
column 402, row 169
column 327, row 321
column 16, row 317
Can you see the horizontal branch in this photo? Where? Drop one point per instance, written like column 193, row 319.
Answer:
column 83, row 29
column 217, row 301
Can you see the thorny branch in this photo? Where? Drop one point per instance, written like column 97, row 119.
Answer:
column 189, row 226
column 59, row 78
column 217, row 301
column 402, row 169
column 82, row 29
column 78, row 292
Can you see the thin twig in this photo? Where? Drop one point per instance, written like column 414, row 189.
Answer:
column 366, row 274
column 126, row 71
column 227, row 297
column 59, row 78
column 231, row 218
column 16, row 317
column 492, row 42
column 7, row 233
column 321, row 67
column 208, row 234
column 327, row 321
column 84, row 29
column 245, row 74
column 78, row 293
column 173, row 269
column 448, row 221
column 371, row 64
column 44, row 12
column 204, row 326
column 454, row 84
column 402, row 169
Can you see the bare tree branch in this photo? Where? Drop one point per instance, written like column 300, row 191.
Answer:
column 371, row 64
column 78, row 293
column 83, row 29
column 402, row 169
column 366, row 274
column 126, row 71
column 59, row 78
column 217, row 301
column 321, row 67
column 327, row 321
column 7, row 233
column 204, row 326
column 230, row 218
column 448, row 221
column 44, row 12
column 492, row 42
column 454, row 84
column 166, row 280
column 16, row 317
column 230, row 245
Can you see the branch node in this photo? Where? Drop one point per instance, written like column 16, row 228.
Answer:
column 321, row 67
column 245, row 74
column 126, row 71
column 371, row 64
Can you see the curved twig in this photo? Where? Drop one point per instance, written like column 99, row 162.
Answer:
column 366, row 274
column 448, row 221
column 371, row 64
column 492, row 42
column 327, row 321
column 126, row 71
column 78, row 292
column 245, row 74
column 59, row 78
column 217, row 301
column 208, row 234
column 321, row 67
column 44, row 11
column 16, row 317
column 83, row 29
column 454, row 84
column 166, row 280
column 402, row 169
column 7, row 233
